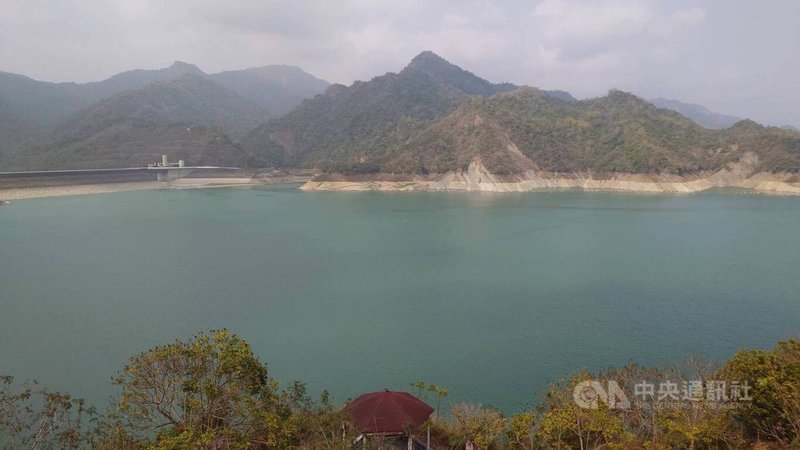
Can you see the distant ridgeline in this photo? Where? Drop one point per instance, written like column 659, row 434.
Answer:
column 133, row 117
column 430, row 118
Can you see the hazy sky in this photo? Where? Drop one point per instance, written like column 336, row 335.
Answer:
column 739, row 57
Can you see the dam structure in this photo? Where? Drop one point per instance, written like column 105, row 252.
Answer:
column 163, row 170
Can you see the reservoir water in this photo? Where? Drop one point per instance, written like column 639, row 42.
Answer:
column 493, row 296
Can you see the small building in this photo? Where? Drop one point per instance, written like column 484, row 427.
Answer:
column 390, row 420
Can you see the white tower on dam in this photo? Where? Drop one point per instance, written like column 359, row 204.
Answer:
column 173, row 171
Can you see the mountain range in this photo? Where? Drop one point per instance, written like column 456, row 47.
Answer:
column 431, row 117
column 104, row 124
column 697, row 113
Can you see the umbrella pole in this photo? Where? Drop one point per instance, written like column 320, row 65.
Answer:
column 428, row 442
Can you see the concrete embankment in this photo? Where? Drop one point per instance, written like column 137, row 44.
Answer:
column 26, row 187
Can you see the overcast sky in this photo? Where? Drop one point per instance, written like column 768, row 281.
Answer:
column 739, row 57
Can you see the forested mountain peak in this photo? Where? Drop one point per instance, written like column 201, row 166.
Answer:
column 440, row 71
column 355, row 126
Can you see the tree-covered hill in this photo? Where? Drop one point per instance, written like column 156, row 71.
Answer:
column 433, row 117
column 525, row 129
column 350, row 127
column 187, row 100
column 32, row 111
column 135, row 146
column 189, row 117
column 29, row 107
column 620, row 132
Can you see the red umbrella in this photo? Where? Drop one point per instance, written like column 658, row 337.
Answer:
column 387, row 412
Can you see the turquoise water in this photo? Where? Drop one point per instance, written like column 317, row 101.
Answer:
column 493, row 296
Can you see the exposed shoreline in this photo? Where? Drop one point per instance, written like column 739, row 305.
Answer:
column 477, row 179
column 25, row 193
column 556, row 184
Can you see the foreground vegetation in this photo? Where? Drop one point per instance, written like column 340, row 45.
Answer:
column 213, row 393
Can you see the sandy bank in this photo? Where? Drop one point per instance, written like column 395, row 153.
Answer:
column 477, row 179
column 87, row 189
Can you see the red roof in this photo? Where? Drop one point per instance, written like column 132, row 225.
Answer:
column 387, row 412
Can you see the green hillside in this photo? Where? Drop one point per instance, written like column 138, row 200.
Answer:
column 37, row 117
column 187, row 100
column 188, row 117
column 526, row 129
column 433, row 117
column 617, row 133
column 350, row 128
column 128, row 146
